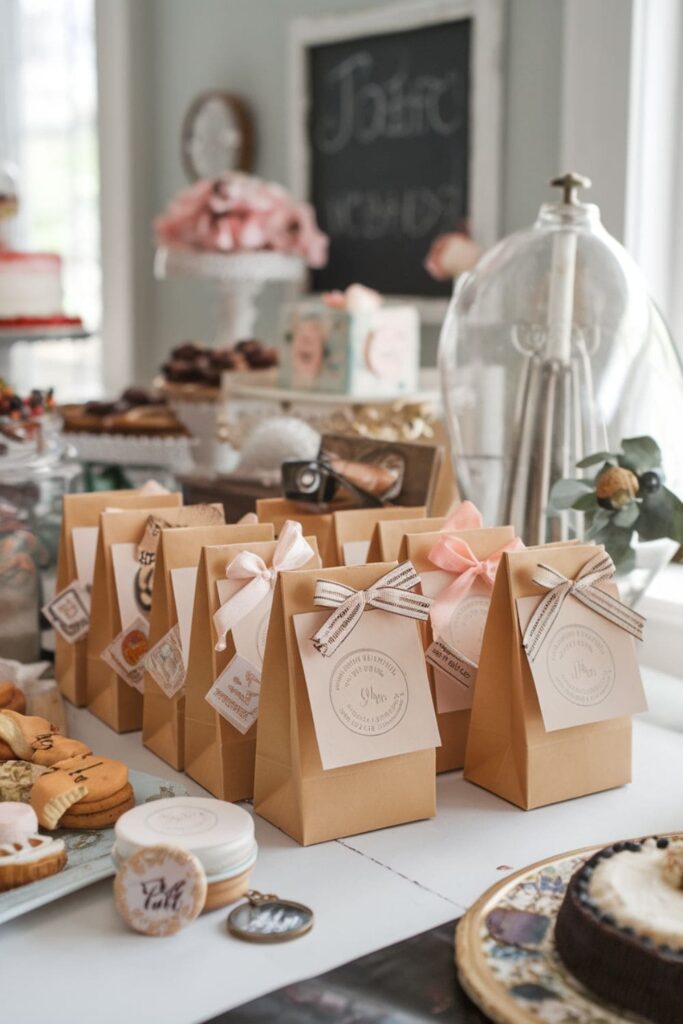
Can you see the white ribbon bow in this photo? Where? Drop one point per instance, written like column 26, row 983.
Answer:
column 600, row 567
column 391, row 593
column 292, row 552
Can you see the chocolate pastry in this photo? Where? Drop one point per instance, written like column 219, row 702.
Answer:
column 188, row 351
column 135, row 396
column 226, row 359
column 180, row 372
column 620, row 927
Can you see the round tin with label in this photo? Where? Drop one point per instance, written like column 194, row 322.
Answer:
column 267, row 918
column 160, row 889
column 220, row 835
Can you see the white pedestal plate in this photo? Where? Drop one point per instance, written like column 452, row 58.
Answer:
column 239, row 279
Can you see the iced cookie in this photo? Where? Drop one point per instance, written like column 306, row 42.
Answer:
column 17, row 778
column 50, row 749
column 82, row 792
column 23, row 734
column 29, row 860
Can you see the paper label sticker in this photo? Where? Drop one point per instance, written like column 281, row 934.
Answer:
column 133, row 583
column 235, row 694
column 587, row 669
column 454, row 677
column 249, row 634
column 467, row 620
column 69, row 612
column 84, row 540
column 184, row 584
column 371, row 698
column 165, row 663
column 355, row 552
column 127, row 652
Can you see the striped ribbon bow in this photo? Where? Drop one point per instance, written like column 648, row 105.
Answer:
column 391, row 593
column 600, row 567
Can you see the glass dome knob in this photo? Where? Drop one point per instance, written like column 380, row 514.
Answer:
column 570, row 183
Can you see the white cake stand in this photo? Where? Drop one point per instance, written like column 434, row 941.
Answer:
column 239, row 279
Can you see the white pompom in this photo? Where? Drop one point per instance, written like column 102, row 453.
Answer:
column 276, row 440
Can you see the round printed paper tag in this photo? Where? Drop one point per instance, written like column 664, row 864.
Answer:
column 160, row 889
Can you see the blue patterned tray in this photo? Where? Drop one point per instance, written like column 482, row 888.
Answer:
column 506, row 957
column 89, row 855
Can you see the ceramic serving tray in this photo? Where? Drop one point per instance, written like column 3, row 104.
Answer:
column 506, row 956
column 89, row 855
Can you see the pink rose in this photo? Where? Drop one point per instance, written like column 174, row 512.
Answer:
column 451, row 255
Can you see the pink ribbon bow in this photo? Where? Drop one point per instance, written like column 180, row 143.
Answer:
column 454, row 555
column 292, row 552
column 465, row 517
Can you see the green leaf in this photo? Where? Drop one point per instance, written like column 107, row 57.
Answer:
column 640, row 454
column 565, row 492
column 599, row 522
column 587, row 502
column 617, row 542
column 627, row 515
column 593, row 460
column 661, row 515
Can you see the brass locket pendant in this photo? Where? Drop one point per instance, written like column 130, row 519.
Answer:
column 267, row 918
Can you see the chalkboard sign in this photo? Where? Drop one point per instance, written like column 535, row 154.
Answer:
column 388, row 137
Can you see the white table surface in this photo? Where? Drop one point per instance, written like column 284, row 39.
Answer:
column 75, row 962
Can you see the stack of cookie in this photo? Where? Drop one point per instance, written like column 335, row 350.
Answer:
column 82, row 792
column 67, row 785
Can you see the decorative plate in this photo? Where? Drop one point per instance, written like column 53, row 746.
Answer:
column 506, row 957
column 89, row 855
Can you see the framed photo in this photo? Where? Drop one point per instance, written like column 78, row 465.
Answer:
column 396, row 137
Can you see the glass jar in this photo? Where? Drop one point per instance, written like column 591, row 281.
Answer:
column 552, row 350
column 35, row 473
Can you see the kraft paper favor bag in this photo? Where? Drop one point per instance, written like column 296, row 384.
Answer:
column 314, row 524
column 292, row 788
column 388, row 534
column 353, row 529
column 509, row 751
column 453, row 688
column 220, row 746
column 81, row 514
column 116, row 646
column 163, row 713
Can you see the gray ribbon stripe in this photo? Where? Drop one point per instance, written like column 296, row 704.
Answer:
column 391, row 593
column 598, row 568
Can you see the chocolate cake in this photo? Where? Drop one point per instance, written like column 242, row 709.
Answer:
column 620, row 927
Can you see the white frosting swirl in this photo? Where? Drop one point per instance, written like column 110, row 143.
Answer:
column 633, row 887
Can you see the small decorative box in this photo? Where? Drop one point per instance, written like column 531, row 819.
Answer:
column 365, row 352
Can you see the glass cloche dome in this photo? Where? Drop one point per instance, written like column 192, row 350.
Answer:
column 552, row 350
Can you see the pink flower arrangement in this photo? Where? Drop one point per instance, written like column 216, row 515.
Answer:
column 238, row 212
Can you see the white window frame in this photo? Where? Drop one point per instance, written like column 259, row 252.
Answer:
column 115, row 25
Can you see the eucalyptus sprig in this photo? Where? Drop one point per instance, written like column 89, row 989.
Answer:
column 626, row 497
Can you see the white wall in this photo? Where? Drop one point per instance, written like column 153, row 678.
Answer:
column 185, row 46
